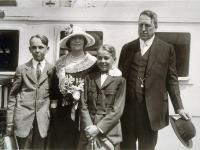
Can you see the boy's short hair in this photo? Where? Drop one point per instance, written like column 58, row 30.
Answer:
column 109, row 49
column 43, row 38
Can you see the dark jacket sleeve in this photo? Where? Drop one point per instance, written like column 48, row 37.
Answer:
column 172, row 82
column 85, row 118
column 54, row 93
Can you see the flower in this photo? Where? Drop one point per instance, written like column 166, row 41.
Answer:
column 68, row 29
column 71, row 85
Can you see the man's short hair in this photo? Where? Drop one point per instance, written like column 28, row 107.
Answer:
column 152, row 15
column 43, row 38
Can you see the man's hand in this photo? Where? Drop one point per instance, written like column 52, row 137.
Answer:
column 91, row 132
column 183, row 114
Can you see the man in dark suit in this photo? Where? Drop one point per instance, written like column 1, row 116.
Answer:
column 149, row 66
column 29, row 98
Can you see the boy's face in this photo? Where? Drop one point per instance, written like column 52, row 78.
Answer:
column 104, row 60
column 38, row 49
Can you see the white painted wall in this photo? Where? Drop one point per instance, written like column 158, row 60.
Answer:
column 119, row 25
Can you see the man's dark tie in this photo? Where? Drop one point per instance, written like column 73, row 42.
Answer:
column 38, row 71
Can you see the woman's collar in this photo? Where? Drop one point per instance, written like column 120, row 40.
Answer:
column 87, row 62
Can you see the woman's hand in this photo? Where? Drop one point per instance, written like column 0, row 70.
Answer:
column 91, row 132
column 76, row 95
column 54, row 104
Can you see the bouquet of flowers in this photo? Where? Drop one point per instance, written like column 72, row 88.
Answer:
column 74, row 86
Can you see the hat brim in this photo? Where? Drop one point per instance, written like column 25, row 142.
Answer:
column 188, row 143
column 88, row 37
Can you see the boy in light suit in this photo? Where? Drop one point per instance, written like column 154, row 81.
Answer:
column 29, row 98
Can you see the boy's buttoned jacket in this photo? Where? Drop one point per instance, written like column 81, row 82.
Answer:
column 28, row 99
column 103, row 105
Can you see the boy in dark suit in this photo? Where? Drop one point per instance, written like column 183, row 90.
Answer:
column 103, row 103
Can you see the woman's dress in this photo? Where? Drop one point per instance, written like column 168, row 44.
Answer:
column 64, row 132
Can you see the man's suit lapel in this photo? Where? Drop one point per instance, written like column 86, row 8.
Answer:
column 152, row 55
column 30, row 71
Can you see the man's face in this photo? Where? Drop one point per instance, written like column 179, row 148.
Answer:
column 146, row 27
column 38, row 49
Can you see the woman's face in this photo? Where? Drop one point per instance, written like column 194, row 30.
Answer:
column 77, row 43
column 104, row 60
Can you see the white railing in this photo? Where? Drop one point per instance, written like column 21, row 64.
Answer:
column 3, row 96
column 4, row 91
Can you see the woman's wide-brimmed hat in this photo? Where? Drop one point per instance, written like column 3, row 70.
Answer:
column 184, row 130
column 75, row 31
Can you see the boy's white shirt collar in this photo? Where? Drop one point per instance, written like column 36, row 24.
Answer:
column 103, row 78
column 145, row 45
column 43, row 62
column 114, row 72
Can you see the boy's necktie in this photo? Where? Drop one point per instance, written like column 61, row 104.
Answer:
column 38, row 70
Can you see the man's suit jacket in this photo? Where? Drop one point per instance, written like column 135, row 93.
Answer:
column 104, row 105
column 161, row 79
column 28, row 99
